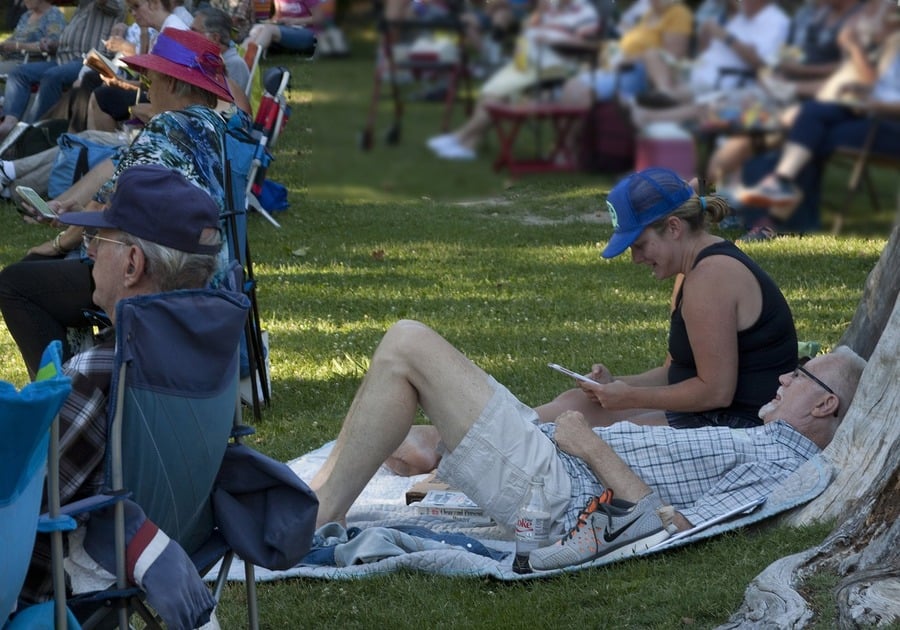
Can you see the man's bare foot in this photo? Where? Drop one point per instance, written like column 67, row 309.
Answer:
column 418, row 452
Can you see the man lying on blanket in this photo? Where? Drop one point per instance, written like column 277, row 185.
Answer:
column 493, row 445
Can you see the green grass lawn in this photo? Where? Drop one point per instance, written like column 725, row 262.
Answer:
column 510, row 272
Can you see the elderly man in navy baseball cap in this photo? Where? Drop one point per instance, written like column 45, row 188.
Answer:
column 159, row 233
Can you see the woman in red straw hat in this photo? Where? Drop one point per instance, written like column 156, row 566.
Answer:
column 44, row 295
column 111, row 97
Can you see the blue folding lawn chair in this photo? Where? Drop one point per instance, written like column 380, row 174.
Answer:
column 25, row 420
column 173, row 407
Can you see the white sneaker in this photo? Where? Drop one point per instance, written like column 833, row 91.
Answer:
column 455, row 151
column 5, row 181
column 436, row 143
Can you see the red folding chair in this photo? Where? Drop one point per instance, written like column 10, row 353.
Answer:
column 423, row 65
column 271, row 116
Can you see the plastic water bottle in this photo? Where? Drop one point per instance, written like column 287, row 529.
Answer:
column 532, row 525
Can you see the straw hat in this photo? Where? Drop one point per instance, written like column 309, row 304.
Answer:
column 188, row 57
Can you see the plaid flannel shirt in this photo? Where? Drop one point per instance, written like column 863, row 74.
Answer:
column 82, row 440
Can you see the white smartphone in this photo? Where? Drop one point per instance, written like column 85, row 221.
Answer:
column 568, row 372
column 36, row 202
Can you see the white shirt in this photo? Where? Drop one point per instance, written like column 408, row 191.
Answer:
column 766, row 31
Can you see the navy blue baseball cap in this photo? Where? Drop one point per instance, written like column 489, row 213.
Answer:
column 157, row 204
column 640, row 199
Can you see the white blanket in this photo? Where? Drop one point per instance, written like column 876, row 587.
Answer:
column 382, row 503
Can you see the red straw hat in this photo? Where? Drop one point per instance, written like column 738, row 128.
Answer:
column 188, row 57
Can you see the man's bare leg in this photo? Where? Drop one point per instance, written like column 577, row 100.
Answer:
column 417, row 454
column 412, row 367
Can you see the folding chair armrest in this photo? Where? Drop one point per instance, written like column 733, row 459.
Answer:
column 93, row 503
column 62, row 523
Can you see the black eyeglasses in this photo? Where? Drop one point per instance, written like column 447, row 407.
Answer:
column 806, row 372
column 802, row 370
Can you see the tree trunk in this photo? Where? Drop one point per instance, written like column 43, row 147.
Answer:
column 864, row 497
column 882, row 286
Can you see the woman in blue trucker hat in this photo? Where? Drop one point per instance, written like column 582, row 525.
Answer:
column 731, row 332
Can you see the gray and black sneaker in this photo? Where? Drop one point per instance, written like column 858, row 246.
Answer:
column 606, row 529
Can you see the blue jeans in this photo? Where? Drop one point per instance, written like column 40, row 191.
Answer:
column 821, row 128
column 628, row 82
column 297, row 39
column 51, row 76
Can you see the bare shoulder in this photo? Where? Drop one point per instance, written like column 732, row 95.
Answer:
column 718, row 274
column 722, row 284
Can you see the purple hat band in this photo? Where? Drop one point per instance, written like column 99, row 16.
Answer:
column 209, row 65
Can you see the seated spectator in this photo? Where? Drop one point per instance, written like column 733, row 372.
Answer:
column 551, row 23
column 46, row 293
column 819, row 128
column 34, row 170
column 813, row 52
column 38, row 30
column 731, row 331
column 293, row 27
column 242, row 15
column 850, row 23
column 659, row 39
column 90, row 24
column 817, row 131
column 159, row 233
column 215, row 25
column 494, row 445
column 749, row 41
column 112, row 97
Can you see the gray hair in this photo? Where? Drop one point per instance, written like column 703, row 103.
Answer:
column 844, row 373
column 171, row 269
column 216, row 21
column 195, row 94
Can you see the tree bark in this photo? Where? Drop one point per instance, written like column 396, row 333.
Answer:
column 864, row 497
column 879, row 295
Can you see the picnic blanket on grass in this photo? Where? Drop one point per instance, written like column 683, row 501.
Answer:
column 452, row 547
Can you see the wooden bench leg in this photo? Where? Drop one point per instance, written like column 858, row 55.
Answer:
column 507, row 132
column 562, row 156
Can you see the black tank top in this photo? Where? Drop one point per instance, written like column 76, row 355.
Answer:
column 766, row 349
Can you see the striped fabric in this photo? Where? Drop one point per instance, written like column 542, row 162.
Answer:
column 90, row 24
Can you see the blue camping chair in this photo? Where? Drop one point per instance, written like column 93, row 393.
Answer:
column 173, row 407
column 25, row 420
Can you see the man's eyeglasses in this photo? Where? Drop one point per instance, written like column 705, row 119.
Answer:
column 802, row 370
column 89, row 236
column 145, row 82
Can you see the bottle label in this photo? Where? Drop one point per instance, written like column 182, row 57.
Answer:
column 524, row 527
